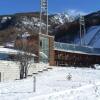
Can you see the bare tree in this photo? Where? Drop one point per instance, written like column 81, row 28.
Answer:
column 24, row 57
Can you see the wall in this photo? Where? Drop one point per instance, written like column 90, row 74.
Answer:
column 75, row 59
column 10, row 70
column 31, row 42
column 51, row 51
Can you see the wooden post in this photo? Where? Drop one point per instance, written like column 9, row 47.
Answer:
column 34, row 83
column 0, row 76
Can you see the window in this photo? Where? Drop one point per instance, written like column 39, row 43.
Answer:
column 44, row 49
column 40, row 43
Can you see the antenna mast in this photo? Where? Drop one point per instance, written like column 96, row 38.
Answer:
column 82, row 30
column 43, row 12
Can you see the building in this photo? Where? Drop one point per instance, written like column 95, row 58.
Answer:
column 42, row 46
column 47, row 51
column 62, row 54
column 9, row 67
column 75, row 55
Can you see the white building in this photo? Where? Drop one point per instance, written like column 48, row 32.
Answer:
column 9, row 69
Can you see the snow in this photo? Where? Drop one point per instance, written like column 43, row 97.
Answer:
column 43, row 55
column 54, row 85
column 12, row 51
column 7, row 50
column 4, row 19
column 92, row 37
column 24, row 35
column 91, row 33
column 9, row 44
column 32, row 22
column 61, row 18
column 97, row 44
column 97, row 66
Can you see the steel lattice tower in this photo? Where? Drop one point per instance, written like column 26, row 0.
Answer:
column 43, row 12
column 82, row 30
column 43, row 33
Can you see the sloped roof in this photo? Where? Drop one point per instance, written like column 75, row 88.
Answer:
column 11, row 51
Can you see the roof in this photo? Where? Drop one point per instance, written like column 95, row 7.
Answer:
column 11, row 51
column 76, row 49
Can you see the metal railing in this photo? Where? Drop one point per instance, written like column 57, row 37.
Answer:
column 72, row 47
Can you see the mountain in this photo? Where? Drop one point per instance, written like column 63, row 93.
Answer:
column 68, row 32
column 61, row 18
column 64, row 26
column 11, row 25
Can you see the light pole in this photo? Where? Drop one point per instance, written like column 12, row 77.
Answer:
column 82, row 30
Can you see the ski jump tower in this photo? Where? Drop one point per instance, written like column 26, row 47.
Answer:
column 82, row 30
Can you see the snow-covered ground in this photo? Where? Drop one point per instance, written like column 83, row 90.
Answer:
column 54, row 85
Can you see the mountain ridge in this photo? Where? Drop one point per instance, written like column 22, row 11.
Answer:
column 63, row 26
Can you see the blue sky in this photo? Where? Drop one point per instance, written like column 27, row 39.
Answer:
column 16, row 6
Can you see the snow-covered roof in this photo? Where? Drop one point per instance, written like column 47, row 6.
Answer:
column 11, row 51
column 9, row 44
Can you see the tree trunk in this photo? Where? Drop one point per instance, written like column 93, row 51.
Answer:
column 26, row 72
column 22, row 72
